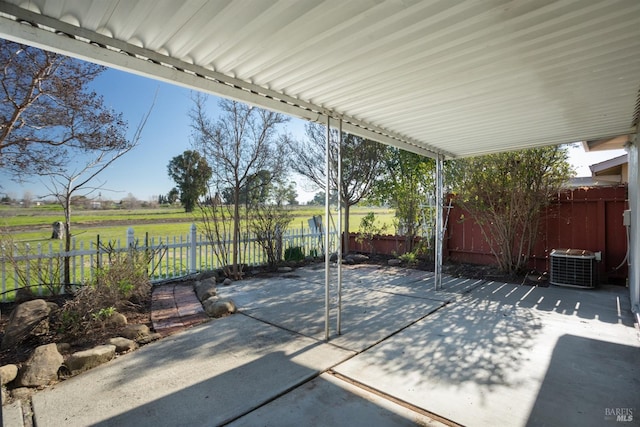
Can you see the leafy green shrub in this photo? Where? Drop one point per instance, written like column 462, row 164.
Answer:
column 294, row 254
column 369, row 229
column 410, row 258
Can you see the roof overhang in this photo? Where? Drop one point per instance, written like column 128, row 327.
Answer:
column 433, row 77
column 604, row 144
column 607, row 166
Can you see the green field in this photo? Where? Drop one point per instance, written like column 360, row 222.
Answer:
column 33, row 225
column 27, row 232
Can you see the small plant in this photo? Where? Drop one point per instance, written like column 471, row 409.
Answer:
column 369, row 229
column 410, row 258
column 294, row 254
column 103, row 314
column 268, row 224
column 122, row 283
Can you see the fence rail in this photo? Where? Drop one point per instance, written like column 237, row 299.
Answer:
column 41, row 267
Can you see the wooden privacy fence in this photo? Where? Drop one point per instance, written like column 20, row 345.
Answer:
column 583, row 218
column 42, row 266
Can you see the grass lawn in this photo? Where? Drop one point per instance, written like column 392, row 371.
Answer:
column 33, row 225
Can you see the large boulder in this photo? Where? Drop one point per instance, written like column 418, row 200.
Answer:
column 29, row 319
column 41, row 368
column 84, row 360
column 205, row 289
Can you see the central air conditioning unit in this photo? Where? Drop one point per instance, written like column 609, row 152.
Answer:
column 573, row 267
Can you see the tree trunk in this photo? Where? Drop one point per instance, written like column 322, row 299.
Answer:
column 235, row 271
column 67, row 240
column 345, row 236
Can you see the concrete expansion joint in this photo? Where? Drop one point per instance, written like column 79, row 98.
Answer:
column 393, row 399
column 27, row 413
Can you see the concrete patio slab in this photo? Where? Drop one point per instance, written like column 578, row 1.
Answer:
column 476, row 353
column 206, row 375
column 329, row 401
column 514, row 355
column 376, row 302
column 12, row 415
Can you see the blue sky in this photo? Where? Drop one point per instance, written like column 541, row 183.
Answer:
column 143, row 172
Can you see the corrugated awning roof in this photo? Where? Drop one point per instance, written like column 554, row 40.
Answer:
column 449, row 77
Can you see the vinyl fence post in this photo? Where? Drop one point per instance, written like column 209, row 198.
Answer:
column 192, row 254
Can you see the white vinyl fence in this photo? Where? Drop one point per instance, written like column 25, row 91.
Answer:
column 41, row 267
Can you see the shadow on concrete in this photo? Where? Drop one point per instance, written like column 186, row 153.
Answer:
column 608, row 304
column 589, row 383
column 211, row 403
column 479, row 342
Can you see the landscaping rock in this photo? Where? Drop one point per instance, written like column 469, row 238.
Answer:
column 84, row 360
column 333, row 257
column 149, row 338
column 135, row 331
column 41, row 368
column 220, row 308
column 117, row 319
column 22, row 393
column 24, row 295
column 285, row 269
column 123, row 344
column 28, row 319
column 359, row 258
column 206, row 304
column 348, row 260
column 64, row 347
column 394, row 262
column 227, row 281
column 217, row 275
column 205, row 289
column 53, row 307
column 8, row 373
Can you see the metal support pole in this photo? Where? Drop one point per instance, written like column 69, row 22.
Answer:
column 633, row 154
column 327, row 255
column 340, row 231
column 439, row 234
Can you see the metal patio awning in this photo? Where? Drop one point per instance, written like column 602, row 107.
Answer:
column 458, row 78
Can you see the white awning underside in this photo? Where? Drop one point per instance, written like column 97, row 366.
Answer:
column 459, row 78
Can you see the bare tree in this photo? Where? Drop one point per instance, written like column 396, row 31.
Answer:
column 362, row 162
column 47, row 111
column 241, row 143
column 65, row 185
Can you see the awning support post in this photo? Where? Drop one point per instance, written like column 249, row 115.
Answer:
column 634, row 236
column 439, row 234
column 327, row 255
column 340, row 231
